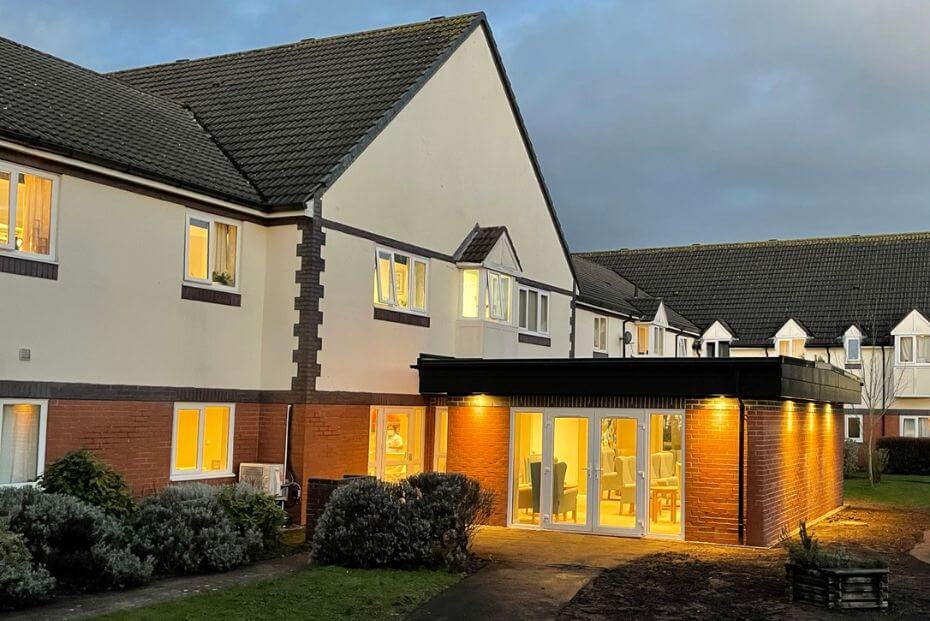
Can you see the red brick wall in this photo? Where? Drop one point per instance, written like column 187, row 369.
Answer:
column 711, row 471
column 479, row 441
column 795, row 466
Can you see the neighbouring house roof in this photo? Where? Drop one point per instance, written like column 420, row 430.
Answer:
column 825, row 284
column 479, row 243
column 602, row 287
column 292, row 115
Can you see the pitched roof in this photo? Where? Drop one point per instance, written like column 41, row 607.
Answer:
column 827, row 284
column 605, row 288
column 292, row 116
column 479, row 243
column 61, row 107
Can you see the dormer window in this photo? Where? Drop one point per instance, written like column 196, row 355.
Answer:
column 658, row 337
column 500, row 287
column 642, row 340
column 793, row 348
column 717, row 349
column 913, row 349
column 790, row 340
column 853, row 348
column 488, row 289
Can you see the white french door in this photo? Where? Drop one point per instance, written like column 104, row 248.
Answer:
column 395, row 445
column 567, row 472
column 620, row 473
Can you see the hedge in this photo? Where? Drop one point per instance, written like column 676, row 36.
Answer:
column 907, row 455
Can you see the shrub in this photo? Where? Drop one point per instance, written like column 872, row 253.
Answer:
column 253, row 510
column 21, row 584
column 186, row 530
column 851, row 457
column 806, row 552
column 454, row 506
column 424, row 521
column 907, row 455
column 79, row 544
column 82, row 475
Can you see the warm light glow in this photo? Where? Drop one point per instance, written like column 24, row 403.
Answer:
column 215, row 438
column 470, row 290
column 198, row 244
column 789, row 415
column 185, row 457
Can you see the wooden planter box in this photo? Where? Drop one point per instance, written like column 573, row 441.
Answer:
column 838, row 588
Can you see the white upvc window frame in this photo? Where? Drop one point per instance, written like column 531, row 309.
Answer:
column 14, row 170
column 438, row 440
column 916, row 420
column 643, row 345
column 915, row 350
column 791, row 349
column 506, row 305
column 390, row 301
column 540, row 293
column 715, row 344
column 658, row 341
column 187, row 475
column 846, row 345
column 681, row 346
column 211, row 220
column 40, row 449
column 600, row 320
column 846, row 435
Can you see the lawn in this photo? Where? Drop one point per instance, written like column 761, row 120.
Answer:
column 313, row 593
column 895, row 489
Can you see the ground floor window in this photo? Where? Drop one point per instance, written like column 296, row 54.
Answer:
column 527, row 466
column 854, row 427
column 915, row 426
column 441, row 439
column 665, row 481
column 395, row 442
column 202, row 441
column 22, row 440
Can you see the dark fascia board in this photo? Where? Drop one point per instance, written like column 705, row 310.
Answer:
column 750, row 378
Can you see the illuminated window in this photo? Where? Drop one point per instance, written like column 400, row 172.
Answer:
column 26, row 211
column 395, row 442
column 600, row 334
column 533, row 310
column 22, row 440
column 854, row 427
column 441, row 441
column 471, row 290
column 202, row 441
column 400, row 281
column 793, row 348
column 499, row 288
column 642, row 340
column 212, row 251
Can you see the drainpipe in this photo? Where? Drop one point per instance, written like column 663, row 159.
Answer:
column 623, row 339
column 741, row 451
column 883, row 394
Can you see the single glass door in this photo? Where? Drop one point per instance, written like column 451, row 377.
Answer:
column 619, row 474
column 567, row 478
column 395, row 448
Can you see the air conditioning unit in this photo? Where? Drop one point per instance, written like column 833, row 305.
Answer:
column 268, row 478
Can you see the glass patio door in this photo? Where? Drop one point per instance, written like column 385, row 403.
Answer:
column 567, row 477
column 395, row 446
column 619, row 473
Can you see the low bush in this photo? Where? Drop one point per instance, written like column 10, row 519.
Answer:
column 253, row 510
column 81, row 546
column 21, row 584
column 185, row 529
column 907, row 455
column 806, row 552
column 424, row 521
column 851, row 457
column 82, row 475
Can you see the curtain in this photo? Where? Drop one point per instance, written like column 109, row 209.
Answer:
column 224, row 259
column 923, row 427
column 907, row 349
column 19, row 443
column 34, row 213
column 923, row 349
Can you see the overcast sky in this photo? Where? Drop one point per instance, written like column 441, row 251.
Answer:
column 656, row 123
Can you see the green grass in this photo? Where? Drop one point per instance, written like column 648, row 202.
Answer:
column 895, row 489
column 313, row 593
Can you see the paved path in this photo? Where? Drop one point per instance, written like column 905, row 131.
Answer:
column 91, row 605
column 532, row 574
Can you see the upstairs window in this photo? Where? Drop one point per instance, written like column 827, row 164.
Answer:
column 400, row 281
column 471, row 293
column 212, row 246
column 499, row 296
column 642, row 340
column 793, row 348
column 600, row 334
column 658, row 336
column 27, row 202
column 717, row 349
column 681, row 347
column 913, row 349
column 853, row 348
column 533, row 310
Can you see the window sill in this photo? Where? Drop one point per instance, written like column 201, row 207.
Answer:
column 535, row 339
column 600, row 354
column 31, row 266
column 853, row 365
column 410, row 319
column 14, row 485
column 201, row 476
column 211, row 296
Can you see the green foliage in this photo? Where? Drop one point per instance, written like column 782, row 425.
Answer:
column 806, row 552
column 906, row 455
column 185, row 529
column 79, row 544
column 424, row 521
column 252, row 510
column 851, row 458
column 222, row 278
column 21, row 584
column 83, row 475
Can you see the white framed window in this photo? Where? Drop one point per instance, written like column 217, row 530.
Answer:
column 401, row 281
column 658, row 338
column 681, row 347
column 441, row 439
column 202, row 440
column 915, row 426
column 853, row 430
column 792, row 348
column 533, row 310
column 912, row 349
column 395, row 442
column 642, row 340
column 717, row 349
column 212, row 249
column 853, row 347
column 499, row 296
column 28, row 212
column 22, row 440
column 600, row 334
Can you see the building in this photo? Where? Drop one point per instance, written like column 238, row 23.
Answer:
column 268, row 256
column 857, row 302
